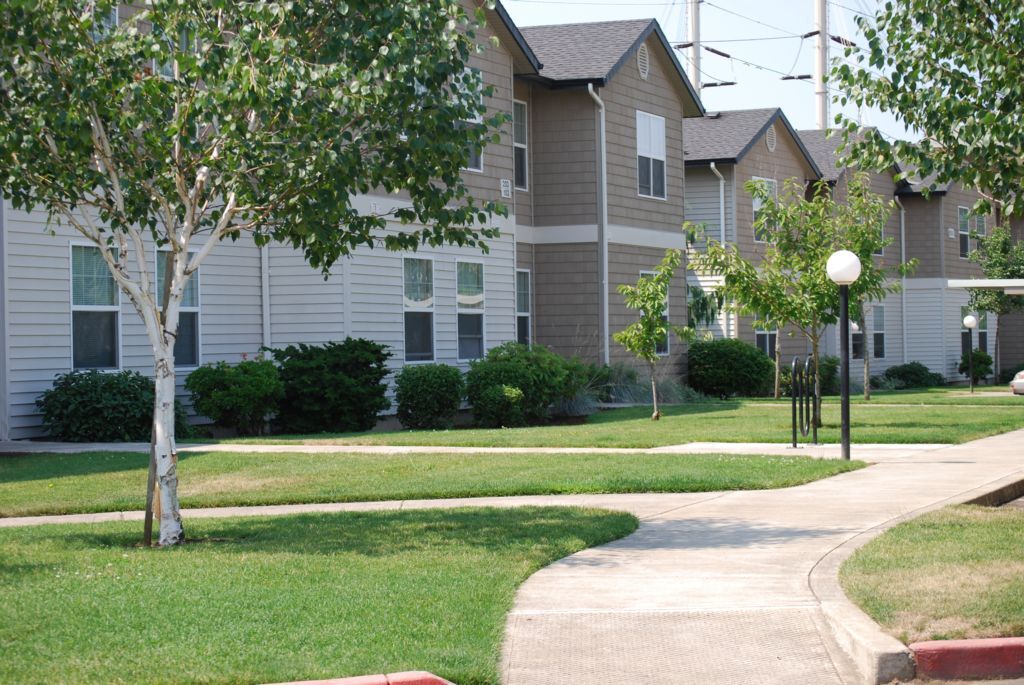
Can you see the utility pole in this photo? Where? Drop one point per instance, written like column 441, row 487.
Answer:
column 694, row 38
column 821, row 61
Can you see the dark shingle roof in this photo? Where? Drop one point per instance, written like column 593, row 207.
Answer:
column 584, row 52
column 824, row 149
column 725, row 137
column 575, row 54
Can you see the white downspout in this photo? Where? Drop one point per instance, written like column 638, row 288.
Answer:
column 265, row 293
column 602, row 228
column 721, row 231
column 903, row 277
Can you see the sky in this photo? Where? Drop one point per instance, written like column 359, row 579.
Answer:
column 762, row 38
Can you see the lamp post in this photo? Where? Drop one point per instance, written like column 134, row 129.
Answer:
column 843, row 268
column 970, row 323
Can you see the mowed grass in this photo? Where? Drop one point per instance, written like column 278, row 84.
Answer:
column 951, row 574
column 105, row 481
column 733, row 421
column 261, row 600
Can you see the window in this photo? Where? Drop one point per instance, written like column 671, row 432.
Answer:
column 470, row 305
column 95, row 311
column 418, row 303
column 964, row 215
column 469, row 86
column 880, row 252
column 857, row 341
column 184, row 44
column 878, row 331
column 766, row 341
column 966, row 335
column 519, row 144
column 650, row 155
column 661, row 347
column 104, row 23
column 186, row 345
column 762, row 234
column 523, row 307
column 980, row 225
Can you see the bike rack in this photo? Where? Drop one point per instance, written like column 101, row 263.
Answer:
column 802, row 392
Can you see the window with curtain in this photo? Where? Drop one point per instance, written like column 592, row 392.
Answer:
column 650, row 155
column 470, row 306
column 418, row 303
column 95, row 310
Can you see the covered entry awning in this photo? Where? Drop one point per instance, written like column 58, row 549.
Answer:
column 1010, row 286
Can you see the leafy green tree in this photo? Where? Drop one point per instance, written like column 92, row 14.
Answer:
column 954, row 73
column 193, row 121
column 1000, row 257
column 642, row 337
column 789, row 284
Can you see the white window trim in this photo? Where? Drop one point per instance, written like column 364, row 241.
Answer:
column 525, row 146
column 482, row 312
column 197, row 309
column 90, row 308
column 529, row 314
column 663, row 158
column 771, row 332
column 754, row 207
column 668, row 334
column 960, row 211
column 875, row 331
column 432, row 310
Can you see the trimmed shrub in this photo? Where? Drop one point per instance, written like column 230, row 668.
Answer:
column 982, row 364
column 912, row 375
column 429, row 395
column 500, row 406
column 580, row 389
column 239, row 397
column 337, row 387
column 727, row 367
column 536, row 371
column 93, row 406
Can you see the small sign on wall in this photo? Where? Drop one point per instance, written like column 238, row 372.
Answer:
column 506, row 188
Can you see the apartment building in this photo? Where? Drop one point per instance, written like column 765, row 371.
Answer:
column 590, row 167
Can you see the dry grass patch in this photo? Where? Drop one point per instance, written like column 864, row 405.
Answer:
column 952, row 574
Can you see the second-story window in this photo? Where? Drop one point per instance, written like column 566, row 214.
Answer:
column 650, row 155
column 475, row 161
column 762, row 234
column 519, row 144
column 470, row 305
column 964, row 217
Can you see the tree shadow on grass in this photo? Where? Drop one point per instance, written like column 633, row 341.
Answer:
column 53, row 466
column 378, row 534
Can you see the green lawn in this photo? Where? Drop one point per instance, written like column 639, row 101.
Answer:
column 954, row 573
column 279, row 598
column 733, row 421
column 104, row 481
column 984, row 396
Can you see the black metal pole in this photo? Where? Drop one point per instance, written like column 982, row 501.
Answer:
column 844, row 372
column 970, row 357
column 794, row 394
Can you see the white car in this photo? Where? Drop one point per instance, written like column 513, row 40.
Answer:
column 1017, row 384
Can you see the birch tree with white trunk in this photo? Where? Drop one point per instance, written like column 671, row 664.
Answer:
column 187, row 122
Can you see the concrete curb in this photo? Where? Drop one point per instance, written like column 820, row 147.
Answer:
column 879, row 657
column 1001, row 657
column 403, row 678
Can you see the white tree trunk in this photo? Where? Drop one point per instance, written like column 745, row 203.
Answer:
column 171, row 530
column 654, row 394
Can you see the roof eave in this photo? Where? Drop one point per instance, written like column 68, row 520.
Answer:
column 517, row 36
column 780, row 115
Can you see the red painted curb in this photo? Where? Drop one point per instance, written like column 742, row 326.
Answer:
column 1000, row 657
column 403, row 678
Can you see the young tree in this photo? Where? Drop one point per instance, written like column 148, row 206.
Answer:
column 1000, row 256
column 193, row 121
column 956, row 75
column 643, row 336
column 789, row 283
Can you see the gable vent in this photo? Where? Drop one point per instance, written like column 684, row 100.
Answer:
column 643, row 61
column 769, row 138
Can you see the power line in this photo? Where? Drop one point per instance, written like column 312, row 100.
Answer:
column 850, row 9
column 756, row 21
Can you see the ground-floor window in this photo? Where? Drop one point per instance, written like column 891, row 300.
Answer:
column 766, row 341
column 661, row 347
column 95, row 311
column 470, row 304
column 980, row 338
column 878, row 331
column 523, row 307
column 186, row 345
column 418, row 302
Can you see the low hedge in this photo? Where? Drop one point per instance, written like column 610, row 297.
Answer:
column 429, row 395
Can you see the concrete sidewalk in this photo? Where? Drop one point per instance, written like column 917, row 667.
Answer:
column 736, row 587
column 867, row 452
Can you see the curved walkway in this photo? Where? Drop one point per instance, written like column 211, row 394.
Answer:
column 713, row 587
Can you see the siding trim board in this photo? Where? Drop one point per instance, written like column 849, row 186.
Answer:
column 587, row 233
column 4, row 356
